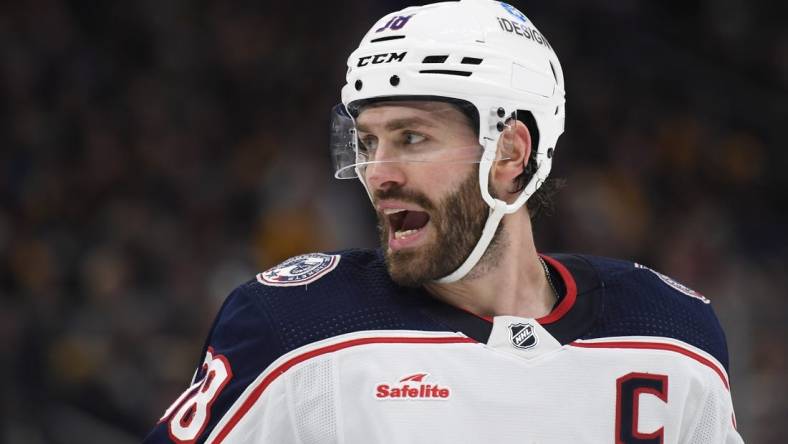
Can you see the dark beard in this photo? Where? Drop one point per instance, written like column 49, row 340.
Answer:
column 458, row 221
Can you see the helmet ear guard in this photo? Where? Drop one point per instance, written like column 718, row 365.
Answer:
column 484, row 53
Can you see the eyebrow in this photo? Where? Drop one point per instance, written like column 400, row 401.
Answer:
column 396, row 124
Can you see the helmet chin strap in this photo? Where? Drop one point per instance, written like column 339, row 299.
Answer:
column 498, row 209
column 493, row 219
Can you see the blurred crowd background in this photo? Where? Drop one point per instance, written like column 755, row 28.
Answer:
column 155, row 154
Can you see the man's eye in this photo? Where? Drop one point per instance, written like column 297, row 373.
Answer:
column 412, row 138
column 368, row 143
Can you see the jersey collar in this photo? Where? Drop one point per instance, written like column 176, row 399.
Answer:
column 578, row 307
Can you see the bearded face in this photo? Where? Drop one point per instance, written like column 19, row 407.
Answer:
column 421, row 169
column 452, row 226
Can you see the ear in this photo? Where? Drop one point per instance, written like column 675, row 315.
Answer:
column 514, row 146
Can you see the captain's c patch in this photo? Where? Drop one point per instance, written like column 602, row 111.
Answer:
column 299, row 270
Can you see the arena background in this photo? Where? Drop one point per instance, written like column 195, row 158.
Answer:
column 155, row 154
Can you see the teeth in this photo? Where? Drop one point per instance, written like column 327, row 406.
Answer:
column 403, row 234
column 388, row 211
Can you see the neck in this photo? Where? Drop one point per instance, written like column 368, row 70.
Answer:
column 509, row 279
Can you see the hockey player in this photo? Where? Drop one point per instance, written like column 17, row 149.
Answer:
column 456, row 330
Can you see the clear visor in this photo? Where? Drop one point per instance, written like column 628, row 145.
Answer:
column 415, row 133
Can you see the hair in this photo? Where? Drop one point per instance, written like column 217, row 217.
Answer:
column 541, row 202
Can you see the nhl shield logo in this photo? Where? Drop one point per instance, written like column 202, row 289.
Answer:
column 299, row 270
column 523, row 336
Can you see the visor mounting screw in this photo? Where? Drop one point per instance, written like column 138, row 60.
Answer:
column 549, row 153
column 500, row 126
column 394, row 80
column 501, row 112
column 358, row 85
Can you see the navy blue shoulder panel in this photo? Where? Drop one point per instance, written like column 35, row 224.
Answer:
column 357, row 295
column 641, row 302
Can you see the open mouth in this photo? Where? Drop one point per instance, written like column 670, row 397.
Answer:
column 406, row 223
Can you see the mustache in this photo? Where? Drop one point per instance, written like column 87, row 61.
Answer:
column 404, row 195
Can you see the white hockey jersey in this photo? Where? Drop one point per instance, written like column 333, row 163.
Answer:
column 324, row 348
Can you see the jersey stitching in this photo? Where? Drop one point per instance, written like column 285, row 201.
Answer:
column 288, row 382
column 263, row 308
column 697, row 416
column 602, row 296
column 340, row 437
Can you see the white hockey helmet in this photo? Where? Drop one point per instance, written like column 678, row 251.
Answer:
column 483, row 53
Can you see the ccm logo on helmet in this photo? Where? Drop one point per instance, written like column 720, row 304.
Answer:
column 387, row 57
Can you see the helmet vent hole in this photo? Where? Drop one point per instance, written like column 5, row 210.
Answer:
column 471, row 61
column 390, row 37
column 358, row 85
column 435, row 59
column 446, row 71
column 556, row 110
column 394, row 80
column 549, row 153
column 552, row 68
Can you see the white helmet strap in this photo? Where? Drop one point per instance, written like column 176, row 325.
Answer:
column 493, row 219
column 498, row 209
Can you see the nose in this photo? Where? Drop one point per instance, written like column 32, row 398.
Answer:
column 385, row 173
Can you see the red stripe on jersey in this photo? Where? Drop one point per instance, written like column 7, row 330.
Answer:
column 258, row 391
column 656, row 346
column 569, row 298
column 566, row 303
